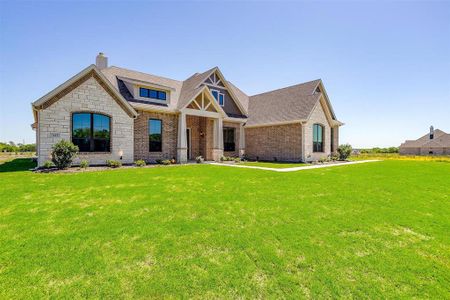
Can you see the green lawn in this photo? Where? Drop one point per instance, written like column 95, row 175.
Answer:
column 276, row 165
column 376, row 230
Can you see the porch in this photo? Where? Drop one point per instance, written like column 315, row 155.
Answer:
column 200, row 130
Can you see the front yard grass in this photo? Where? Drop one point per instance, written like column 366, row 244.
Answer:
column 378, row 230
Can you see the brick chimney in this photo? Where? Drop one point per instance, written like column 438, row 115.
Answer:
column 431, row 132
column 101, row 61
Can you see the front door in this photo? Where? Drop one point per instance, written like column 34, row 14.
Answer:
column 188, row 140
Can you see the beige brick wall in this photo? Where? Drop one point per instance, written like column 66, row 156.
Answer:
column 55, row 123
column 317, row 117
column 282, row 142
column 236, row 127
column 169, row 136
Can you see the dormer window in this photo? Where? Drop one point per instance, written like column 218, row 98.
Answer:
column 152, row 94
column 220, row 97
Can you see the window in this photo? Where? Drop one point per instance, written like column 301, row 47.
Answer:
column 91, row 132
column 154, row 94
column 332, row 139
column 228, row 139
column 220, row 97
column 318, row 132
column 155, row 135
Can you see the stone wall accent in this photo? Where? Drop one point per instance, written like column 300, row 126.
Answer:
column 281, row 142
column 55, row 123
column 336, row 139
column 236, row 126
column 169, row 136
column 317, row 117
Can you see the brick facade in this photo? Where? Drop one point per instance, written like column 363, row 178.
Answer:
column 55, row 123
column 282, row 142
column 201, row 139
column 169, row 136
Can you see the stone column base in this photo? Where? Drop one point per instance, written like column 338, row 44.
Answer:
column 217, row 154
column 181, row 155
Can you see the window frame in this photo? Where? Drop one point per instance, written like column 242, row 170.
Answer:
column 318, row 146
column 219, row 93
column 149, row 145
column 91, row 128
column 233, row 129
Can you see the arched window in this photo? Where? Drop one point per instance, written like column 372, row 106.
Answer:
column 318, row 134
column 91, row 132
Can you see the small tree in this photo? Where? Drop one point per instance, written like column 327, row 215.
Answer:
column 344, row 151
column 63, row 154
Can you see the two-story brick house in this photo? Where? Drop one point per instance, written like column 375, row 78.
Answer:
column 115, row 113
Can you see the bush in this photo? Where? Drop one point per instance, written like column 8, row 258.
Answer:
column 344, row 151
column 237, row 159
column 166, row 162
column 63, row 154
column 140, row 163
column 322, row 160
column 113, row 163
column 199, row 159
column 84, row 164
column 334, row 157
column 48, row 164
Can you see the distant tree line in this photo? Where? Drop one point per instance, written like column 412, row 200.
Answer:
column 380, row 150
column 13, row 147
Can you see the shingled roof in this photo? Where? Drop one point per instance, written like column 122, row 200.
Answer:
column 293, row 103
column 440, row 139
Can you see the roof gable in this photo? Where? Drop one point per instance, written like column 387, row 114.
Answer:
column 214, row 78
column 69, row 85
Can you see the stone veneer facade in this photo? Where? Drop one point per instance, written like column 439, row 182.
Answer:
column 317, row 117
column 169, row 136
column 55, row 123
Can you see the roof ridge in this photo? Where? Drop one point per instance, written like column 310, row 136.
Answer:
column 286, row 87
column 144, row 73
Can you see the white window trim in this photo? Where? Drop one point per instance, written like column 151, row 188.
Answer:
column 218, row 97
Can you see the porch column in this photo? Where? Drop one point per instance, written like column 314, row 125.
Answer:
column 241, row 141
column 218, row 139
column 182, row 143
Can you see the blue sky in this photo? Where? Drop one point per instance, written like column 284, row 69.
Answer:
column 385, row 65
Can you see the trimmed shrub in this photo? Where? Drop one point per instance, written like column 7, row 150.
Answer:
column 140, row 163
column 63, row 154
column 84, row 164
column 237, row 159
column 199, row 159
column 48, row 164
column 166, row 162
column 344, row 151
column 113, row 163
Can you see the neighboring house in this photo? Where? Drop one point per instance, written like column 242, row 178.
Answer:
column 115, row 113
column 437, row 142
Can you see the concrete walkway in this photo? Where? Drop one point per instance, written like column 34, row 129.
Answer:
column 293, row 169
